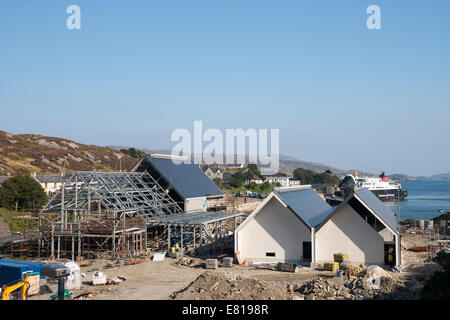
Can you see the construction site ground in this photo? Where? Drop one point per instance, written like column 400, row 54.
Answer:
column 186, row 278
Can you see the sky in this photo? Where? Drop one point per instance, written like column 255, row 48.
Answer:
column 339, row 93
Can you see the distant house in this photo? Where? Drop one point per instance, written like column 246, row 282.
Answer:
column 185, row 183
column 50, row 183
column 283, row 181
column 213, row 172
column 295, row 224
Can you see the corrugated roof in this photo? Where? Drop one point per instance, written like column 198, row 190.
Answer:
column 306, row 203
column 376, row 205
column 186, row 178
column 194, row 218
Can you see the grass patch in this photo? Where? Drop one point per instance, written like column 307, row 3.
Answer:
column 14, row 224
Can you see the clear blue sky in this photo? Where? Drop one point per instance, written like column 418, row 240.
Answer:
column 339, row 93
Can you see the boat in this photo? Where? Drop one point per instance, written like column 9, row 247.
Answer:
column 385, row 189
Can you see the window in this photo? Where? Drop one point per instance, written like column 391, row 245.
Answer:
column 270, row 254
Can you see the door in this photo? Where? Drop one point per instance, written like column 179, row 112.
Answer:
column 307, row 252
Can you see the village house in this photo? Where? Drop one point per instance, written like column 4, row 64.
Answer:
column 213, row 172
column 295, row 225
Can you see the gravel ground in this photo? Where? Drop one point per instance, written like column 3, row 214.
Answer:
column 158, row 280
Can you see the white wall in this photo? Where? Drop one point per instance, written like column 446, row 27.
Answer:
column 387, row 235
column 347, row 232
column 195, row 204
column 274, row 229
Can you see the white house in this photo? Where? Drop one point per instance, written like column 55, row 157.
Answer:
column 283, row 181
column 50, row 183
column 361, row 226
column 213, row 172
column 296, row 225
column 279, row 229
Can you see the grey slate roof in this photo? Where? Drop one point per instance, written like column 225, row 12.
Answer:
column 307, row 204
column 50, row 178
column 379, row 207
column 186, row 178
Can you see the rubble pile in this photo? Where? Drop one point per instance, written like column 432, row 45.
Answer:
column 189, row 262
column 357, row 288
column 216, row 286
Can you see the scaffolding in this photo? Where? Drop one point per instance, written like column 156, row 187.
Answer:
column 95, row 214
column 196, row 230
column 119, row 215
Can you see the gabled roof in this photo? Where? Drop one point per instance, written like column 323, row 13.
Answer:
column 186, row 178
column 306, row 203
column 303, row 201
column 383, row 211
column 371, row 201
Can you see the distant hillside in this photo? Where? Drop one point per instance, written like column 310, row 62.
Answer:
column 400, row 176
column 25, row 153
column 286, row 163
column 442, row 176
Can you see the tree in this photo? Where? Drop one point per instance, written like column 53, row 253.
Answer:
column 22, row 192
column 310, row 177
column 133, row 152
column 237, row 179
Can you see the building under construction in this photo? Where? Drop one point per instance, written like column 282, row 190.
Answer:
column 117, row 215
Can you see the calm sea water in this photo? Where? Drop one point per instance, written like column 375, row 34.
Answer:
column 424, row 199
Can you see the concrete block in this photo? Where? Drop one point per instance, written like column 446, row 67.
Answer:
column 227, row 262
column 211, row 263
column 287, row 267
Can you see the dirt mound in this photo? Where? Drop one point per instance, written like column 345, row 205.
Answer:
column 355, row 289
column 189, row 262
column 216, row 286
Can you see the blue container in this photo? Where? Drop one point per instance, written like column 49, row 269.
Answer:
column 13, row 270
column 339, row 273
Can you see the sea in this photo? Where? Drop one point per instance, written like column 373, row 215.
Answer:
column 425, row 198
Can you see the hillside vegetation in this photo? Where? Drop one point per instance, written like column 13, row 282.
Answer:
column 25, row 153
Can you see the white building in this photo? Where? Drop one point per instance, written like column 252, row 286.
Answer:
column 50, row 183
column 279, row 229
column 296, row 225
column 361, row 226
column 283, row 181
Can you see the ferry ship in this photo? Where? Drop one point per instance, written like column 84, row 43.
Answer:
column 382, row 187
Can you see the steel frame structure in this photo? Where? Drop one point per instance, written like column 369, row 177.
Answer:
column 98, row 212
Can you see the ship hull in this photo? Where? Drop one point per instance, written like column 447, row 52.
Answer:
column 388, row 195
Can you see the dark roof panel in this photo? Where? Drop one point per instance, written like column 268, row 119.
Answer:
column 186, row 178
column 307, row 204
column 379, row 207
